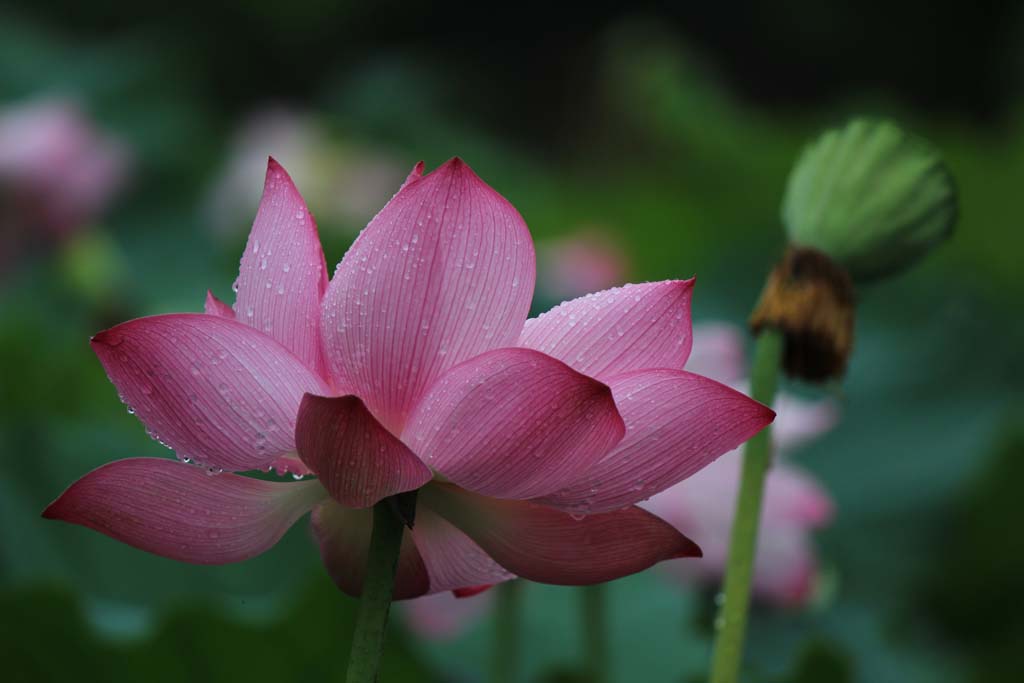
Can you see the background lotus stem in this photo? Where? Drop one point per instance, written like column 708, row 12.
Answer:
column 595, row 632
column 375, row 602
column 731, row 622
column 508, row 625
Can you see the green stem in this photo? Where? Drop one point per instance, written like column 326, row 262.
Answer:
column 731, row 623
column 595, row 633
column 375, row 602
column 508, row 615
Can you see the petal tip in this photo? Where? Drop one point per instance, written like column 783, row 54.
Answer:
column 470, row 591
column 61, row 508
column 275, row 171
column 457, row 167
column 52, row 510
column 214, row 306
column 686, row 548
column 104, row 338
column 683, row 288
column 686, row 284
column 414, row 175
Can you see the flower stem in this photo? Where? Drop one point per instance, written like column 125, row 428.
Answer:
column 375, row 602
column 595, row 632
column 508, row 613
column 732, row 616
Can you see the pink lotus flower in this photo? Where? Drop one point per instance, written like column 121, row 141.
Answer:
column 702, row 505
column 57, row 171
column 413, row 368
column 794, row 505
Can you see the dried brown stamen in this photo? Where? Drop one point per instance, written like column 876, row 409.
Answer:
column 811, row 300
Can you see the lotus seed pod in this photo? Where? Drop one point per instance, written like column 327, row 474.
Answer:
column 871, row 197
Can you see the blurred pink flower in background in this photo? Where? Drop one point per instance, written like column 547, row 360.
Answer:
column 795, row 504
column 587, row 260
column 702, row 505
column 345, row 181
column 58, row 172
column 444, row 616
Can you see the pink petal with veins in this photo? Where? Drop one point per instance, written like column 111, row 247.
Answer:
column 443, row 273
column 358, row 461
column 618, row 330
column 344, row 537
column 543, row 544
column 283, row 276
column 179, row 511
column 454, row 562
column 676, row 423
column 514, row 423
column 212, row 389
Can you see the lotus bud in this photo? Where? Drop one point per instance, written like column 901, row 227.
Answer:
column 870, row 196
column 863, row 201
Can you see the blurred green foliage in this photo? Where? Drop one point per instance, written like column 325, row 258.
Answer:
column 46, row 637
column 690, row 177
column 969, row 592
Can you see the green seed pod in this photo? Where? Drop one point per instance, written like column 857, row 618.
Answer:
column 871, row 197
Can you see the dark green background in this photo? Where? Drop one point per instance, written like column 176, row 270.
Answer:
column 675, row 129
